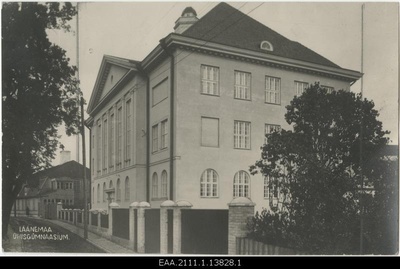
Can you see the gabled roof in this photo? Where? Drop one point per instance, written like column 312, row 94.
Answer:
column 105, row 66
column 71, row 169
column 229, row 26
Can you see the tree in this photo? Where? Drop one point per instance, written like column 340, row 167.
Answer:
column 317, row 167
column 39, row 92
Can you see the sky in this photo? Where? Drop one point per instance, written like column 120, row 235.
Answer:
column 132, row 29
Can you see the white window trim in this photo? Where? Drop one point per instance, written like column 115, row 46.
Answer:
column 241, row 137
column 241, row 87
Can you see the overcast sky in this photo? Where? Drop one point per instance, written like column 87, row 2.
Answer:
column 132, row 29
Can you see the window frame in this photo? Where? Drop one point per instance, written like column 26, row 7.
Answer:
column 298, row 82
column 276, row 92
column 236, row 85
column 235, row 145
column 209, row 80
column 127, row 189
column 154, row 186
column 265, row 127
column 237, row 184
column 207, row 184
column 164, row 136
column 154, row 137
column 164, row 185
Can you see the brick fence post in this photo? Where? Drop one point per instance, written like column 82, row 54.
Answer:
column 240, row 210
column 177, row 240
column 141, row 227
column 132, row 219
column 110, row 217
column 168, row 204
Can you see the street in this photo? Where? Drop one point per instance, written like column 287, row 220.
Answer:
column 39, row 235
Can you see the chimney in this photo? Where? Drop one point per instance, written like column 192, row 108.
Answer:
column 187, row 19
column 65, row 156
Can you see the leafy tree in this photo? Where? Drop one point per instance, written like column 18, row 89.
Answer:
column 39, row 92
column 317, row 167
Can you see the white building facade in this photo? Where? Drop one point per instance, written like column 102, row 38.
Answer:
column 188, row 121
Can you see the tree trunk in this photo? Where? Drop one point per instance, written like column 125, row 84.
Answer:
column 11, row 188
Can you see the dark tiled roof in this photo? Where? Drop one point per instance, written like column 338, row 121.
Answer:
column 71, row 169
column 228, row 26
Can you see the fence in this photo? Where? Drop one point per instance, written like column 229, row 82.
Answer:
column 247, row 246
column 176, row 228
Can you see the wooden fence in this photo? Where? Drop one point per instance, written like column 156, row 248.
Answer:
column 247, row 246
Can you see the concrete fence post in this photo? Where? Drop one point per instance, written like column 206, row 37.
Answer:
column 177, row 230
column 168, row 204
column 241, row 209
column 141, row 226
column 59, row 208
column 110, row 217
column 132, row 219
column 99, row 220
column 74, row 216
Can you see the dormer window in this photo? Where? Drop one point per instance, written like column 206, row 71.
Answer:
column 265, row 45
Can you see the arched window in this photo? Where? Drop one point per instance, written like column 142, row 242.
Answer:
column 265, row 45
column 111, row 185
column 154, row 183
column 164, row 184
column 118, row 190
column 92, row 195
column 241, row 184
column 127, row 189
column 209, row 183
column 104, row 192
column 98, row 193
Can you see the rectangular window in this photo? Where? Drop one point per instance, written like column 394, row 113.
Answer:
column 155, row 138
column 272, row 90
column 328, row 89
column 266, row 187
column 105, row 153
column 119, row 137
column 270, row 128
column 92, row 154
column 164, row 134
column 98, row 156
column 128, row 132
column 112, row 142
column 209, row 132
column 209, row 80
column 160, row 92
column 241, row 135
column 242, row 85
column 300, row 87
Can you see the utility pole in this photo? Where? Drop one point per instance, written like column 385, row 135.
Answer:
column 361, row 137
column 82, row 101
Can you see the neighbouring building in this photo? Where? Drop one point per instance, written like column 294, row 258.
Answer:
column 61, row 183
column 188, row 121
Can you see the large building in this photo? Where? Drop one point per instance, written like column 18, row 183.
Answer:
column 188, row 121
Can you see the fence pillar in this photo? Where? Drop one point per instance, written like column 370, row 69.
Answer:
column 240, row 210
column 59, row 208
column 132, row 219
column 99, row 220
column 168, row 204
column 177, row 234
column 110, row 217
column 74, row 216
column 141, row 226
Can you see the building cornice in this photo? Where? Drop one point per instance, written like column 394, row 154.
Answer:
column 179, row 41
